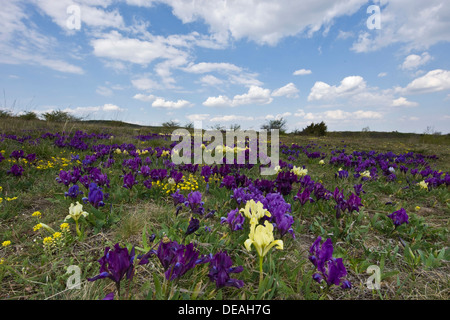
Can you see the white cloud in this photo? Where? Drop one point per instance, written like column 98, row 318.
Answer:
column 302, row 72
column 415, row 24
column 104, row 91
column 162, row 103
column 108, row 107
column 289, row 90
column 403, row 102
column 433, row 81
column 413, row 61
column 339, row 115
column 349, row 85
column 144, row 83
column 21, row 42
column 231, row 117
column 117, row 47
column 255, row 95
column 144, row 97
column 382, row 74
column 90, row 13
column 198, row 117
column 210, row 80
column 264, row 21
column 220, row 101
column 206, row 67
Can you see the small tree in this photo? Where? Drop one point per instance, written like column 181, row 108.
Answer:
column 235, row 127
column 59, row 116
column 170, row 124
column 279, row 124
column 29, row 115
column 319, row 129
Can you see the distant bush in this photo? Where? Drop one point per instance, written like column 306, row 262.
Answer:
column 170, row 124
column 29, row 115
column 59, row 116
column 317, row 129
column 5, row 114
column 279, row 124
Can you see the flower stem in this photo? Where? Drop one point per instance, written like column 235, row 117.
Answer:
column 260, row 270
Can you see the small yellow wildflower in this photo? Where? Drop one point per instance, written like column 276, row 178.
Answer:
column 11, row 199
column 6, row 243
column 36, row 214
column 321, row 162
column 64, row 227
column 48, row 240
column 417, row 208
column 57, row 235
column 37, row 227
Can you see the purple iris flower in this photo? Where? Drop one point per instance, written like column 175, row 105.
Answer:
column 330, row 269
column 158, row 174
column 353, row 203
column 178, row 198
column 358, row 189
column 283, row 222
column 304, row 196
column 95, row 195
column 176, row 258
column 342, row 174
column 31, row 157
column 220, row 270
column 228, row 182
column 399, row 217
column 74, row 191
column 115, row 264
column 206, row 173
column 194, row 225
column 16, row 170
column 177, row 176
column 17, row 154
column 234, row 219
column 129, row 180
column 194, row 202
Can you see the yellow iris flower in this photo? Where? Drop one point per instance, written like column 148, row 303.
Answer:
column 254, row 211
column 261, row 237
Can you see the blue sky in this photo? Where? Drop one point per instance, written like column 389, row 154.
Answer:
column 231, row 62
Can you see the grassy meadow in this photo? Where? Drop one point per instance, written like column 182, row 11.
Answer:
column 136, row 210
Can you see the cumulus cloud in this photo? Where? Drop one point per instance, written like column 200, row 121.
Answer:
column 415, row 24
column 162, row 103
column 302, row 72
column 339, row 115
column 403, row 102
column 348, row 85
column 413, row 61
column 255, row 95
column 231, row 117
column 265, row 21
column 83, row 111
column 22, row 42
column 144, row 97
column 433, row 81
column 198, row 117
column 289, row 90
